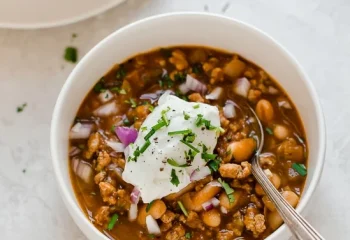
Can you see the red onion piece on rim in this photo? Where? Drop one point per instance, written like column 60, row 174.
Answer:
column 74, row 151
column 195, row 85
column 133, row 212
column 272, row 90
column 183, row 88
column 135, row 195
column 241, row 87
column 212, row 203
column 229, row 109
column 105, row 96
column 150, row 96
column 215, row 202
column 126, row 135
column 81, row 131
column 152, row 225
column 215, row 94
column 223, row 210
column 284, row 104
column 164, row 95
column 200, row 174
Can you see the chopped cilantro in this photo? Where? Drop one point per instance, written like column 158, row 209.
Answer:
column 119, row 90
column 214, row 165
column 188, row 235
column 164, row 117
column 201, row 121
column 190, row 137
column 183, row 209
column 197, row 68
column 145, row 146
column 161, row 84
column 173, row 163
column 269, row 131
column 208, row 156
column 132, row 102
column 189, row 145
column 113, row 221
column 143, row 128
column 99, row 87
column 187, row 131
column 121, row 73
column 229, row 191
column 174, row 179
column 159, row 125
column 300, row 168
column 196, row 106
column 126, row 122
column 180, row 77
column 186, row 116
column 21, row 107
column 166, row 81
column 71, row 54
column 149, row 134
column 151, row 236
column 149, row 206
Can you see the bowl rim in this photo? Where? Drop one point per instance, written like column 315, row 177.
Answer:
column 68, row 199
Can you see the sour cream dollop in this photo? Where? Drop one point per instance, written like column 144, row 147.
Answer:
column 150, row 171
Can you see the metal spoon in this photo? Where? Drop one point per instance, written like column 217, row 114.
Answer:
column 300, row 228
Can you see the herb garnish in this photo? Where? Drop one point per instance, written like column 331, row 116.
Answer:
column 132, row 102
column 180, row 77
column 151, row 236
column 126, row 122
column 229, row 191
column 119, row 90
column 121, row 73
column 269, row 131
column 149, row 206
column 156, row 127
column 164, row 117
column 188, row 235
column 208, row 156
column 300, row 168
column 187, row 131
column 196, row 106
column 145, row 146
column 21, row 107
column 189, row 145
column 174, row 179
column 214, row 165
column 173, row 163
column 113, row 221
column 143, row 128
column 71, row 54
column 202, row 121
column 186, row 116
column 183, row 209
column 99, row 87
column 197, row 68
column 190, row 155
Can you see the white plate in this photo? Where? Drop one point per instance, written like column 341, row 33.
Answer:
column 30, row 14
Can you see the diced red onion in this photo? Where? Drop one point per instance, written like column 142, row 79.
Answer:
column 207, row 206
column 241, row 87
column 195, row 85
column 152, row 225
column 284, row 104
column 215, row 94
column 223, row 210
column 200, row 174
column 116, row 146
column 135, row 195
column 183, row 88
column 80, row 131
column 82, row 169
column 150, row 96
column 106, row 110
column 105, row 96
column 215, row 183
column 74, row 151
column 164, row 95
column 164, row 72
column 114, row 168
column 215, row 202
column 133, row 212
column 272, row 90
column 229, row 110
column 268, row 173
column 126, row 135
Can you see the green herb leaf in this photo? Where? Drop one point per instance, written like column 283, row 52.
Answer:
column 113, row 221
column 126, row 122
column 132, row 102
column 190, row 146
column 229, row 191
column 121, row 73
column 145, row 146
column 208, row 156
column 21, row 107
column 71, row 54
column 180, row 77
column 197, row 68
column 164, row 117
column 159, row 125
column 196, row 106
column 149, row 134
column 144, row 129
column 187, row 131
column 99, row 87
column 300, row 168
column 149, row 206
column 151, row 236
column 214, row 165
column 173, row 163
column 174, row 179
column 186, row 116
column 183, row 209
column 188, row 235
column 118, row 90
column 269, row 131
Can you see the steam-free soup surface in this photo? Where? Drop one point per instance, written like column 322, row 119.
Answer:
column 171, row 126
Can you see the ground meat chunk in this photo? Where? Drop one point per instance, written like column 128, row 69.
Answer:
column 99, row 177
column 209, row 65
column 168, row 216
column 196, row 97
column 93, row 145
column 123, row 200
column 245, row 186
column 254, row 199
column 217, row 75
column 223, row 121
column 102, row 215
column 254, row 95
column 267, row 160
column 165, row 227
column 225, row 235
column 108, row 193
column 232, row 170
column 253, row 221
column 193, row 221
column 177, row 232
column 103, row 160
column 178, row 59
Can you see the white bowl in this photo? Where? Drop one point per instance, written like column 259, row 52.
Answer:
column 185, row 29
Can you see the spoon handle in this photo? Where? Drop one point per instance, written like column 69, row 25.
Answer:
column 301, row 229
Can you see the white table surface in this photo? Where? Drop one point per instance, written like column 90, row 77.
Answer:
column 32, row 70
